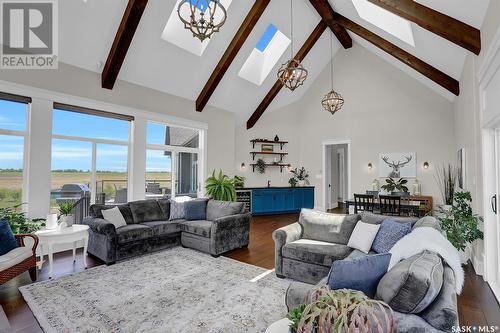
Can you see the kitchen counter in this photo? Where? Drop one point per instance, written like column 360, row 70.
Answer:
column 276, row 199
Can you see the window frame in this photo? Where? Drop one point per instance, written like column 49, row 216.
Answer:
column 175, row 150
column 95, row 142
column 25, row 135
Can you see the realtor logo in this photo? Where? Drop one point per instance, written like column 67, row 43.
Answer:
column 29, row 34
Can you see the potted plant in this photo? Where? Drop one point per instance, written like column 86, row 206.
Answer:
column 292, row 181
column 239, row 181
column 18, row 221
column 220, row 187
column 396, row 187
column 301, row 175
column 341, row 310
column 461, row 224
column 261, row 165
column 446, row 178
column 66, row 216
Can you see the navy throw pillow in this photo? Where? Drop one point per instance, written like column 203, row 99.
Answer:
column 196, row 209
column 7, row 240
column 389, row 233
column 360, row 273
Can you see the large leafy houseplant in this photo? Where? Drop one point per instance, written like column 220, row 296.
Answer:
column 220, row 187
column 392, row 185
column 18, row 221
column 344, row 310
column 460, row 223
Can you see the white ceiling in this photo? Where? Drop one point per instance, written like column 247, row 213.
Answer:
column 87, row 30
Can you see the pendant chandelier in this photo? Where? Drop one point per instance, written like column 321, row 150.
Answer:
column 292, row 74
column 333, row 101
column 202, row 17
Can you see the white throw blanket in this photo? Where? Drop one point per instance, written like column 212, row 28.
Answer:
column 426, row 238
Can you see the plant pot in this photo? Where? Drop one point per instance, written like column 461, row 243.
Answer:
column 465, row 255
column 302, row 183
column 68, row 219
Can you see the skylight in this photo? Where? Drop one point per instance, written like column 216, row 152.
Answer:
column 176, row 34
column 264, row 56
column 385, row 20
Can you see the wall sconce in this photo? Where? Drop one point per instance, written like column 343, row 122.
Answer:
column 426, row 165
column 243, row 166
column 370, row 166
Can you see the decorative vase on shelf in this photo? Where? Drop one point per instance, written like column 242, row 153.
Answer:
column 276, row 138
column 417, row 188
column 376, row 185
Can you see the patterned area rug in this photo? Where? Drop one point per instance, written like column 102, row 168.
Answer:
column 174, row 291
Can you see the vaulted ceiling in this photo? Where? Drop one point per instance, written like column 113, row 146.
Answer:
column 88, row 28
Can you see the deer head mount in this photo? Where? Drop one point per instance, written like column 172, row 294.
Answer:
column 396, row 166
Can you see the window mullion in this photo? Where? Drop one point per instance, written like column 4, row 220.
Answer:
column 93, row 174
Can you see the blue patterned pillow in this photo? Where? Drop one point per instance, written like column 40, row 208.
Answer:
column 7, row 240
column 359, row 273
column 177, row 210
column 389, row 233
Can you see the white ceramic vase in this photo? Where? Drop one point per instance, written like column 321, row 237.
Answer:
column 68, row 220
column 302, row 183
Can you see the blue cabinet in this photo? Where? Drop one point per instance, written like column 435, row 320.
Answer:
column 281, row 200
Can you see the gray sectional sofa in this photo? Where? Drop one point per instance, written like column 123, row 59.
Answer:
column 149, row 229
column 420, row 289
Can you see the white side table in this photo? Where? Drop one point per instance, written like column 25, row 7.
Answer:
column 73, row 234
column 281, row 326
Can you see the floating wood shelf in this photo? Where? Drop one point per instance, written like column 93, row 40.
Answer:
column 280, row 165
column 281, row 155
column 281, row 143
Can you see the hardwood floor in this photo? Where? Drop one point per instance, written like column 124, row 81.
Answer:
column 477, row 305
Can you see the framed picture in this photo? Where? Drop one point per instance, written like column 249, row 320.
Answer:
column 267, row 148
column 397, row 165
column 461, row 168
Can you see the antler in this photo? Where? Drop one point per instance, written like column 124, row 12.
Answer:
column 386, row 160
column 408, row 159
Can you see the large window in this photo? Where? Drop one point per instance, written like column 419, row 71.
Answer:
column 172, row 161
column 13, row 119
column 89, row 156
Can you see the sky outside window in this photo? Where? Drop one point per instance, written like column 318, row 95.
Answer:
column 12, row 115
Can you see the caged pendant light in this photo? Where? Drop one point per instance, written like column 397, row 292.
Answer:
column 202, row 17
column 333, row 101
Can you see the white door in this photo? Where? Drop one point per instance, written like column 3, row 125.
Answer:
column 328, row 178
column 342, row 175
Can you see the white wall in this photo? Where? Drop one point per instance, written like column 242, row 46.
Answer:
column 385, row 111
column 467, row 119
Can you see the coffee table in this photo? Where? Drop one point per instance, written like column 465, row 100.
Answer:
column 73, row 234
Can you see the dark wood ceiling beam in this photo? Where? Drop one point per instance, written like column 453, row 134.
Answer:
column 443, row 25
column 232, row 50
column 304, row 50
column 122, row 41
column 331, row 17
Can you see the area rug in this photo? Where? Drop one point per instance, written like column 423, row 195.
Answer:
column 174, row 291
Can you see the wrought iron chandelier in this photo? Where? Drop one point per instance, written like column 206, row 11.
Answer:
column 202, row 17
column 333, row 101
column 292, row 74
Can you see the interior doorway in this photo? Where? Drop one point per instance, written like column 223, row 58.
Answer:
column 336, row 174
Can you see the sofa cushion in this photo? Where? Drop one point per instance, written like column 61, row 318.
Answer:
column 165, row 208
column 217, row 209
column 146, row 211
column 357, row 253
column 363, row 235
column 327, row 227
column 389, row 234
column 133, row 232
column 315, row 252
column 114, row 216
column 201, row 227
column 196, row 209
column 371, row 218
column 95, row 211
column 428, row 221
column 7, row 240
column 15, row 257
column 161, row 228
column 412, row 284
column 177, row 210
column 361, row 273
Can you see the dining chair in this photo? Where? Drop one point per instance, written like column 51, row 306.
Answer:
column 363, row 202
column 390, row 205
